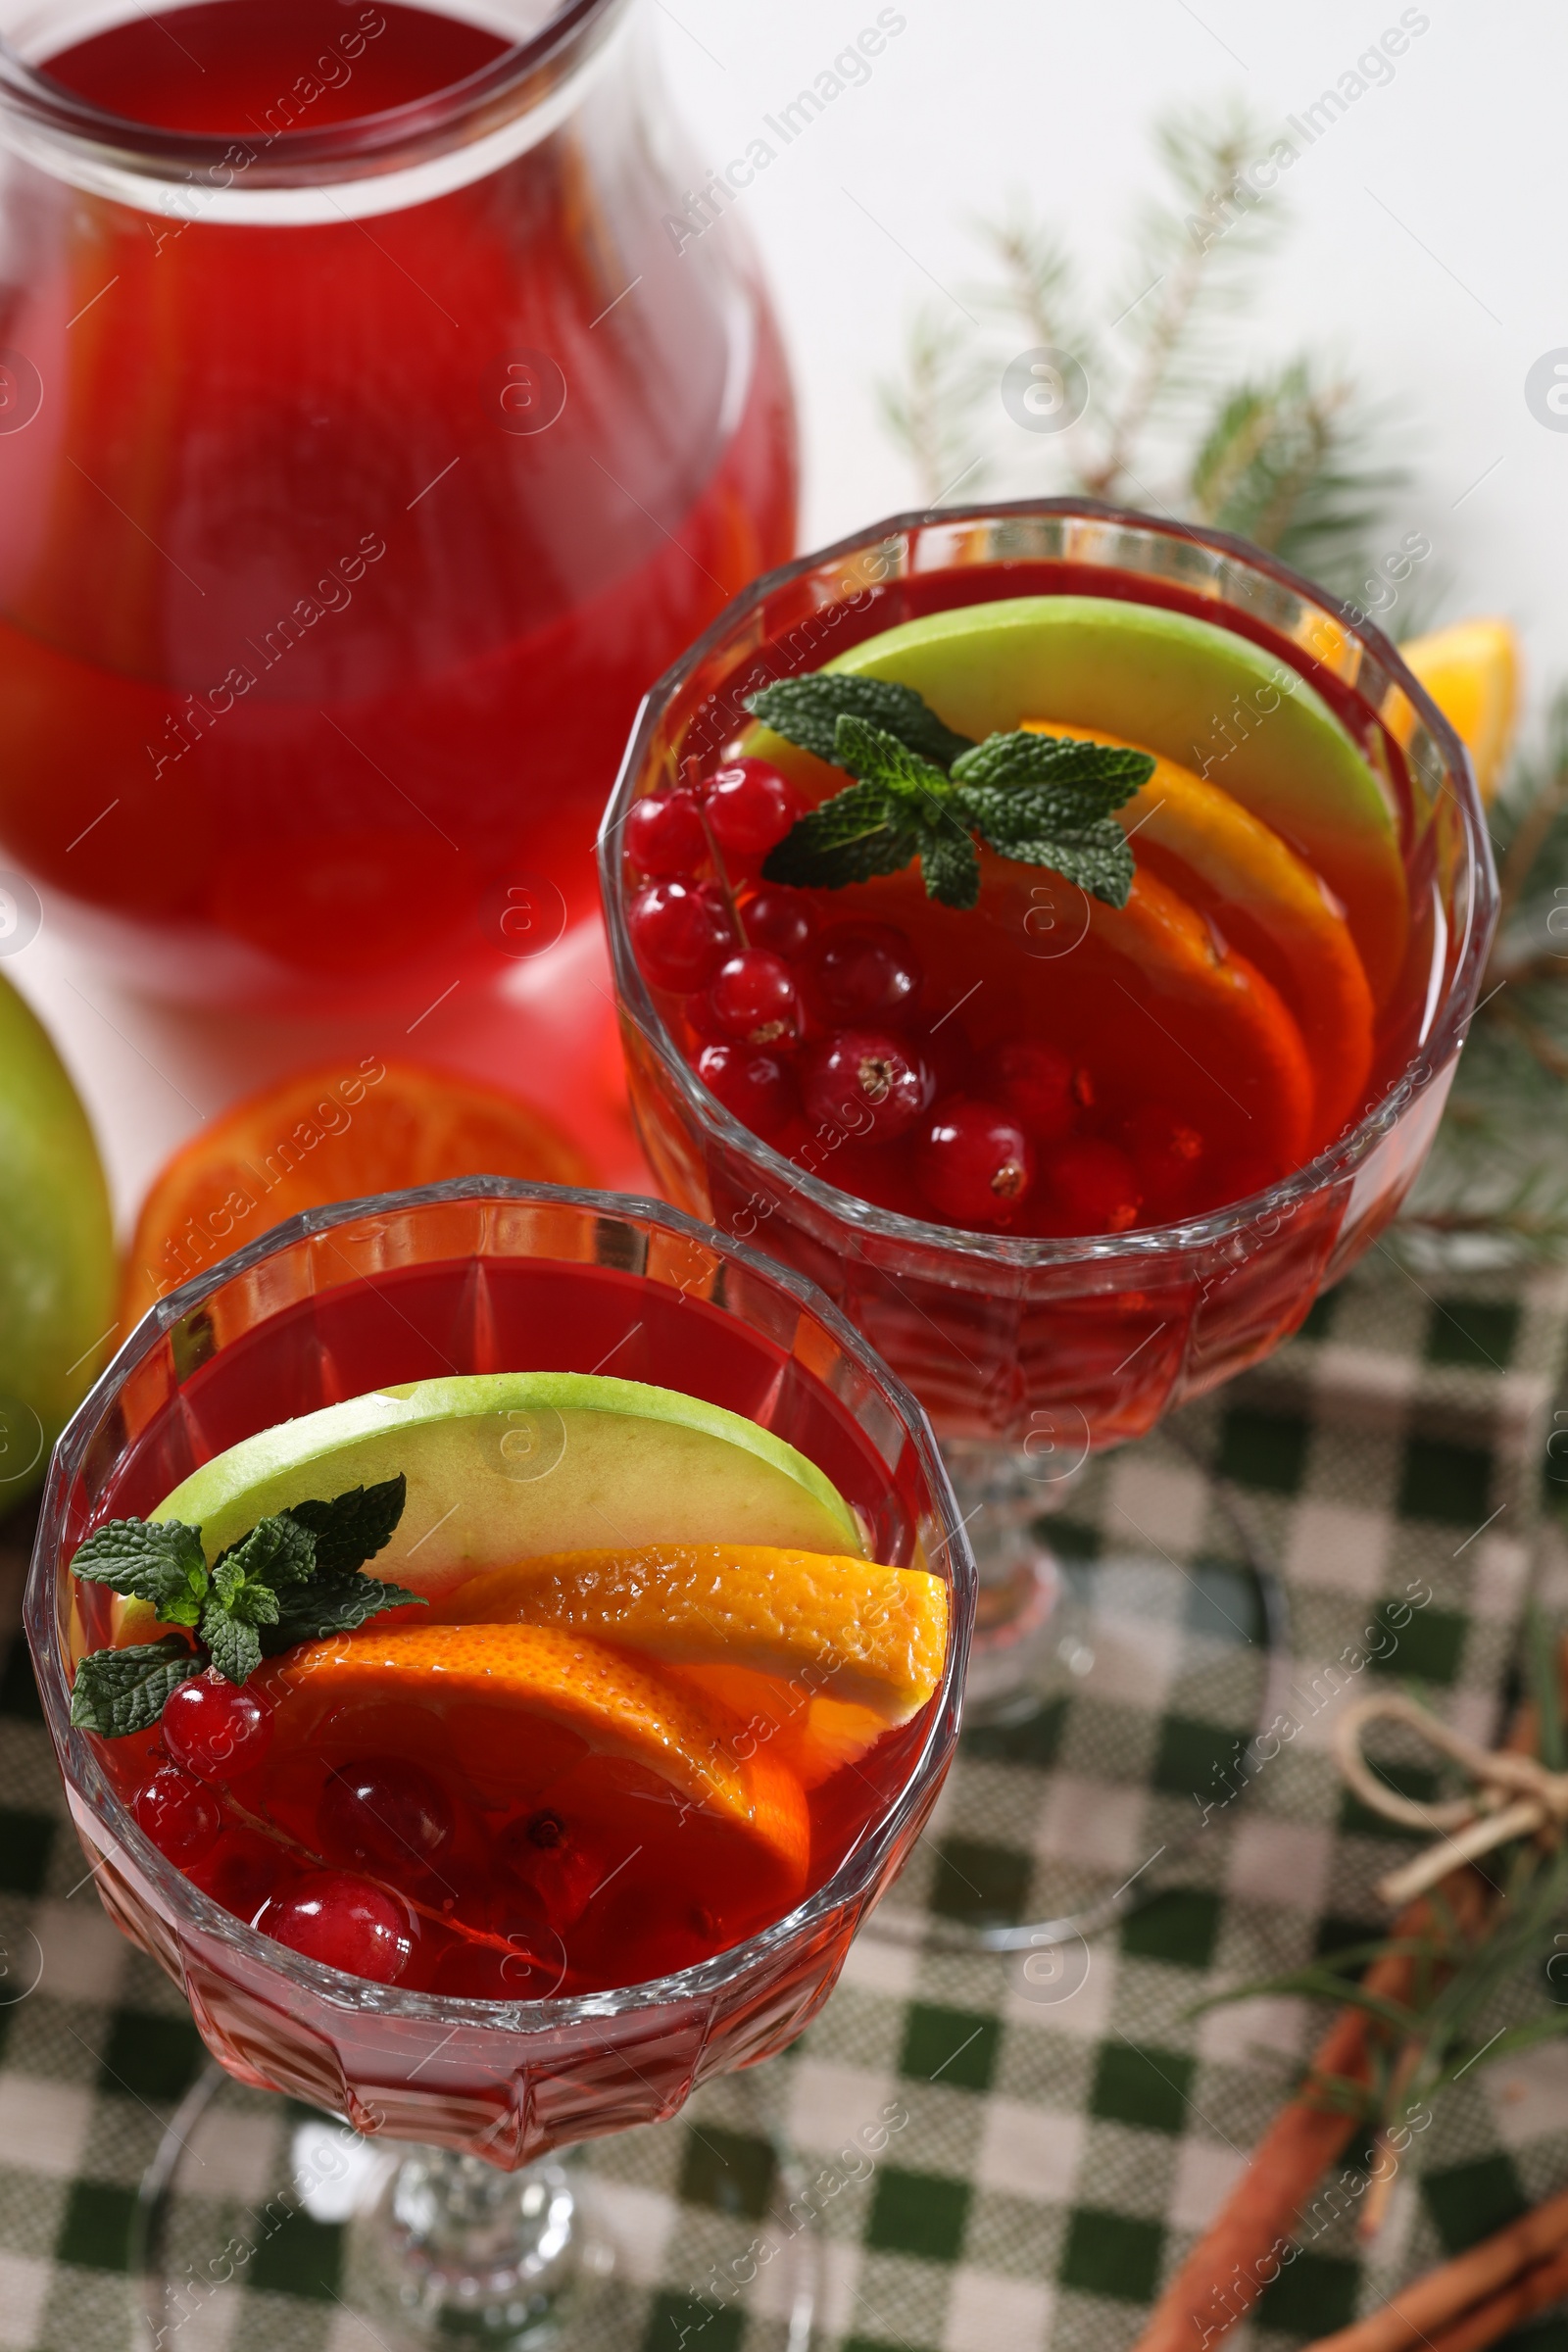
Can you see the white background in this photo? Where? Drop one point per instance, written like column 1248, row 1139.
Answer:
column 1426, row 257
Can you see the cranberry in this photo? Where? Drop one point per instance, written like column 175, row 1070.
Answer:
column 757, row 1087
column 867, row 1081
column 178, row 1815
column 215, row 1729
column 344, row 1921
column 973, row 1163
column 783, row 920
column 681, row 932
column 381, row 1810
column 1092, row 1185
column 750, row 806
column 665, row 836
column 864, row 971
column 1033, row 1080
column 755, row 997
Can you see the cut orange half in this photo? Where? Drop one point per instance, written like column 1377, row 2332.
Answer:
column 1268, row 902
column 334, row 1134
column 1472, row 673
column 844, row 1627
column 524, row 1704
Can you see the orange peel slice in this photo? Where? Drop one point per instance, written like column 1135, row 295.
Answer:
column 870, row 1636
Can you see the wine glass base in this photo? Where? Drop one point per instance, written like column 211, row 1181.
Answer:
column 1122, row 1675
column 255, row 2215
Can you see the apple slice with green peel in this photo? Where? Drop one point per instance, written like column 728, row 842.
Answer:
column 508, row 1464
column 1183, row 689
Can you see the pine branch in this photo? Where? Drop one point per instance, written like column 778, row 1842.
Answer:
column 930, row 414
column 1192, row 250
column 1036, row 290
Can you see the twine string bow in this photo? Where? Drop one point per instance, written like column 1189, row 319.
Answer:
column 1515, row 1795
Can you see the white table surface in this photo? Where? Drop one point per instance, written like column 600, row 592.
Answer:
column 1426, row 257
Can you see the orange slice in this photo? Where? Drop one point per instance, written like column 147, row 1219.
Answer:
column 841, row 1628
column 1472, row 673
column 324, row 1134
column 1253, row 1047
column 812, row 1737
column 524, row 1704
column 1273, row 905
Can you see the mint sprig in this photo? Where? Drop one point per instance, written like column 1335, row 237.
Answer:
column 293, row 1578
column 923, row 791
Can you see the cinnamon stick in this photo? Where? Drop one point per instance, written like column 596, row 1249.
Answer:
column 1460, row 2297
column 1533, row 2290
column 1228, row 2269
column 1220, row 2279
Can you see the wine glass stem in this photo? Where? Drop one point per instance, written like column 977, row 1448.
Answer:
column 1003, row 1500
column 454, row 2247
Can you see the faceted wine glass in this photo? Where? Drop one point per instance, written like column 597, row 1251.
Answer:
column 487, row 1275
column 1031, row 1354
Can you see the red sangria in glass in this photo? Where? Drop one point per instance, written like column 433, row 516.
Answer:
column 1054, row 930
column 495, row 1746
column 367, row 444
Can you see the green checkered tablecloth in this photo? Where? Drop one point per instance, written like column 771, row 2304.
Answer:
column 999, row 2163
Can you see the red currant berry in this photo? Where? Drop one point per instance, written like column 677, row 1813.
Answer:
column 751, row 807
column 344, row 1921
column 1168, row 1155
column 783, row 920
column 178, row 1815
column 385, row 1812
column 973, row 1163
column 757, row 1087
column 559, row 1872
column 242, row 1871
column 704, row 1021
column 1093, row 1188
column 665, row 836
column 755, row 997
column 215, row 1729
column 864, row 971
column 681, row 934
column 867, row 1081
column 1033, row 1080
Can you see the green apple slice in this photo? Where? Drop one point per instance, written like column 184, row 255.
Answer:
column 1180, row 687
column 503, row 1466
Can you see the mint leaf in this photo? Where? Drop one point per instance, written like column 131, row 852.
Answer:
column 159, row 1560
column 854, row 837
column 117, row 1691
column 332, row 1605
column 807, row 711
column 872, row 752
column 278, row 1556
column 277, row 1552
column 1030, row 828
column 234, row 1643
column 1045, row 800
column 1093, row 777
column 354, row 1527
column 950, row 868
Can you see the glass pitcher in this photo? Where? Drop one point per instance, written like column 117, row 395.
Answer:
column 378, row 418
